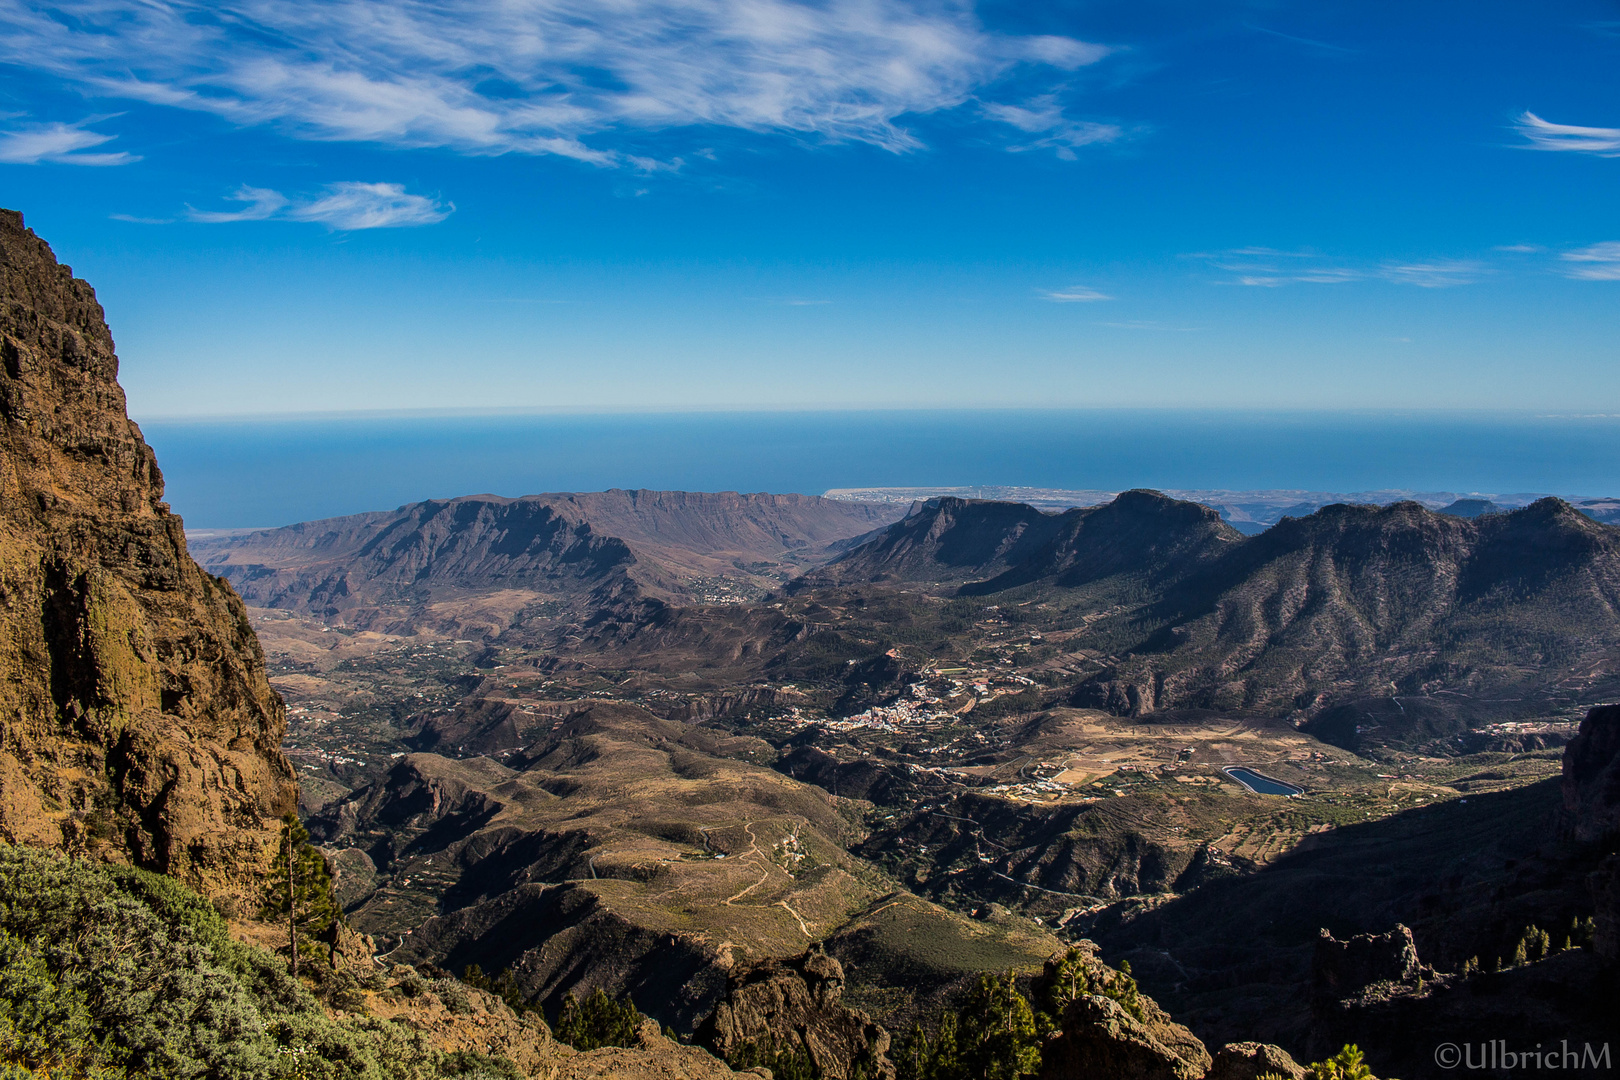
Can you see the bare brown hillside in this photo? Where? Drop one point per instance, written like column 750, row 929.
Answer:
column 429, row 562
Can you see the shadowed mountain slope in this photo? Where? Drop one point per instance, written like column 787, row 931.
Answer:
column 1349, row 602
column 1138, row 533
column 1469, row 876
column 138, row 724
column 1361, row 601
column 992, row 546
column 946, row 539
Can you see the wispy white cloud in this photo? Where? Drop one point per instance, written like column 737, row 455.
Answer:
column 1600, row 262
column 1075, row 294
column 58, row 144
column 1544, row 135
column 355, row 205
column 347, row 205
column 1519, row 249
column 261, row 204
column 1043, row 117
column 534, row 76
column 1268, row 268
column 1441, row 274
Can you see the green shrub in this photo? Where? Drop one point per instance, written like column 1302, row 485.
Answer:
column 504, row 986
column 1347, row 1064
column 789, row 1064
column 596, row 1021
column 109, row 972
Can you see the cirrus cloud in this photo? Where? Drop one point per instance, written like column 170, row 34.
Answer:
column 1269, row 268
column 345, row 206
column 1044, row 118
column 1075, row 294
column 58, row 144
column 1599, row 262
column 1544, row 135
column 536, row 76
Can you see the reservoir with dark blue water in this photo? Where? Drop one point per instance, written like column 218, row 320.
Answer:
column 1262, row 785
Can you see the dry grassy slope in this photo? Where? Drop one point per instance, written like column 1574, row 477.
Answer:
column 455, row 1017
column 599, row 545
column 136, row 722
column 619, row 850
column 666, row 826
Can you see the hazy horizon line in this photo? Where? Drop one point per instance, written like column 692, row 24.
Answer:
column 432, row 413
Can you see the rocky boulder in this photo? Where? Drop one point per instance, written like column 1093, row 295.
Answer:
column 1252, row 1060
column 136, row 721
column 795, row 1005
column 1098, row 1037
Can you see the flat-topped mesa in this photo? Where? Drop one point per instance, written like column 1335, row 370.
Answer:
column 136, row 721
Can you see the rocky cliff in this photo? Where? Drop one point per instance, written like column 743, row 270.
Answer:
column 795, row 1006
column 136, row 722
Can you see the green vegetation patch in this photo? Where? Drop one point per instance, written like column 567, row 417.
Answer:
column 109, row 972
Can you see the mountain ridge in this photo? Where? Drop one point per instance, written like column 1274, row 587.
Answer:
column 592, row 547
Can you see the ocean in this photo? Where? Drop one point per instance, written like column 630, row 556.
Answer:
column 225, row 474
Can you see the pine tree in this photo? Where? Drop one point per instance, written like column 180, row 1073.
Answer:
column 1069, row 981
column 300, row 890
column 596, row 1021
column 1073, row 977
column 999, row 1040
column 911, row 1063
column 945, row 1062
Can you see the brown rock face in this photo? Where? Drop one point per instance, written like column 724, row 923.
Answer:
column 1591, row 780
column 1097, row 1037
column 794, row 1005
column 1591, row 790
column 136, row 723
column 1350, row 968
column 1252, row 1060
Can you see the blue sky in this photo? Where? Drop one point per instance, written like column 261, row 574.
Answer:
column 309, row 205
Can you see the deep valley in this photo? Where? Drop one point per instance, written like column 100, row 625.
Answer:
column 1022, row 727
